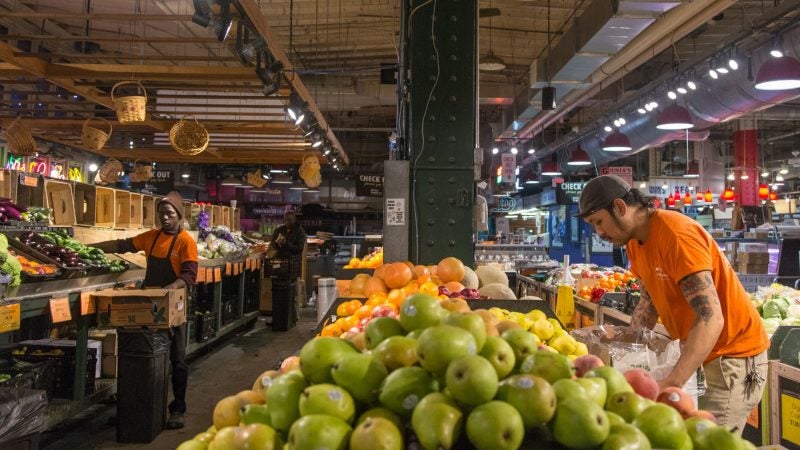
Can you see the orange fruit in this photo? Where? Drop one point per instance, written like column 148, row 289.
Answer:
column 375, row 286
column 454, row 286
column 359, row 284
column 429, row 288
column 396, row 275
column 450, row 269
column 342, row 310
column 396, row 296
column 421, row 273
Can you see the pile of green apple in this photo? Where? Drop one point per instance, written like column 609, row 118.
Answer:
column 433, row 379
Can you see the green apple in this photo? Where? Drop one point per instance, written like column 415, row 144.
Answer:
column 227, row 438
column 361, row 374
column 254, row 413
column 626, row 437
column 260, row 436
column 471, row 322
column 403, row 389
column 318, row 356
column 193, row 445
column 415, row 334
column 532, row 396
column 595, row 388
column 328, row 399
column 698, row 426
column 495, row 425
column 663, row 426
column 383, row 413
column 471, row 380
column 396, row 352
column 566, row 389
column 614, row 418
column 284, row 400
column 580, row 423
column 376, row 433
column 205, row 436
column 318, row 431
column 522, row 342
column 500, row 354
column 440, row 344
column 548, row 365
column 421, row 311
column 717, row 438
column 381, row 328
column 627, row 404
column 436, row 423
column 615, row 380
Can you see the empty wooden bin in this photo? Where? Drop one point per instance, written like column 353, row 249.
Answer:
column 236, row 224
column 105, row 207
column 216, row 216
column 60, row 200
column 148, row 211
column 122, row 218
column 226, row 217
column 84, row 202
column 30, row 189
column 8, row 184
column 136, row 211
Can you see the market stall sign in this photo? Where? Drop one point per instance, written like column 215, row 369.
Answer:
column 369, row 185
column 573, row 190
column 40, row 165
column 509, row 164
column 15, row 163
column 9, row 317
column 624, row 172
column 75, row 173
column 790, row 418
column 27, row 180
column 59, row 310
column 505, row 204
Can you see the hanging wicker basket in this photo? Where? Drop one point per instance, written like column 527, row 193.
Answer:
column 19, row 138
column 141, row 172
column 94, row 137
column 188, row 137
column 110, row 171
column 130, row 108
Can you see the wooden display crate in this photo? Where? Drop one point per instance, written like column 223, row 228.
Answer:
column 136, row 210
column 8, row 184
column 30, row 189
column 105, row 207
column 84, row 199
column 226, row 217
column 192, row 217
column 216, row 215
column 60, row 200
column 236, row 225
column 187, row 214
column 122, row 218
column 148, row 211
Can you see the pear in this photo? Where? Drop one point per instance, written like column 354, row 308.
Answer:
column 284, row 400
column 437, row 424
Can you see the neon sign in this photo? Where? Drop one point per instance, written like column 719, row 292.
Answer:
column 15, row 163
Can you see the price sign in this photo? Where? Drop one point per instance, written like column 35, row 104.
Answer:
column 217, row 274
column 209, row 275
column 26, row 180
column 9, row 317
column 248, row 264
column 201, row 276
column 228, row 268
column 790, row 418
column 59, row 310
column 236, row 269
column 87, row 304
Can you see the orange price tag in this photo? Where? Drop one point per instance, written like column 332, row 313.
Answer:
column 201, row 275
column 217, row 274
column 248, row 263
column 25, row 180
column 9, row 317
column 228, row 268
column 236, row 268
column 753, row 417
column 87, row 304
column 59, row 310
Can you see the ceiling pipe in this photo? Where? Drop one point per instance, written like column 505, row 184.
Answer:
column 655, row 39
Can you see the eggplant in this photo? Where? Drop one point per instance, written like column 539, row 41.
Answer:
column 12, row 212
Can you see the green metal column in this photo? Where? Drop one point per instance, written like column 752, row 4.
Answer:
column 442, row 117
column 81, row 347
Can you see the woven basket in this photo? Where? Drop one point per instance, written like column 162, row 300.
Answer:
column 94, row 137
column 187, row 137
column 19, row 139
column 130, row 108
column 141, row 172
column 109, row 171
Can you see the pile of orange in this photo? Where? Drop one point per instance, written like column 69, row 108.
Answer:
column 611, row 282
column 370, row 261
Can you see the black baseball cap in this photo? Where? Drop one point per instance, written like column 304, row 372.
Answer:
column 599, row 193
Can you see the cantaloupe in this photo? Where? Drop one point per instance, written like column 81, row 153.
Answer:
column 497, row 291
column 470, row 280
column 530, row 297
column 489, row 275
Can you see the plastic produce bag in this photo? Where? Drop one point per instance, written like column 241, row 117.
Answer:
column 21, row 413
column 143, row 342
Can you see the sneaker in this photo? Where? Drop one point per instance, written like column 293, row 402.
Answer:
column 175, row 421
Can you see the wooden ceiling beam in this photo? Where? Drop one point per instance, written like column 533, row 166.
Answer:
column 92, row 16
column 228, row 126
column 127, row 39
column 150, row 72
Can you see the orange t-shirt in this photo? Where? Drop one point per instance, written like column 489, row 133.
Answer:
column 676, row 247
column 185, row 248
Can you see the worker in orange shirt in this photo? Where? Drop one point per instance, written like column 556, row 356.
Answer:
column 689, row 283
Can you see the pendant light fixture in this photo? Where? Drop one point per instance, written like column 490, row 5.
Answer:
column 773, row 196
column 699, row 196
column 579, row 157
column 551, row 168
column 670, row 200
column 778, row 74
column 674, row 117
column 728, row 194
column 709, row 197
column 687, row 199
column 490, row 62
column 763, row 191
column 617, row 142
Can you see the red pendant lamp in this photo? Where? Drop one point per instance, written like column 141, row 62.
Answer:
column 670, row 200
column 699, row 196
column 773, row 196
column 728, row 194
column 687, row 199
column 709, row 197
column 617, row 142
column 763, row 191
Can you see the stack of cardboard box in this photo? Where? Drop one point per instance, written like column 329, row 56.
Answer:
column 752, row 262
column 108, row 363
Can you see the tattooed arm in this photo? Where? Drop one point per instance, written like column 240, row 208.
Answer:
column 699, row 290
column 645, row 314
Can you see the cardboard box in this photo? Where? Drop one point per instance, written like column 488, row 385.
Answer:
column 155, row 308
column 91, row 343
column 752, row 268
column 108, row 338
column 109, row 366
column 753, row 258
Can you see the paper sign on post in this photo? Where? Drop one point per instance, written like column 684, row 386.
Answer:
column 87, row 304
column 236, row 269
column 248, row 263
column 9, row 317
column 209, row 275
column 228, row 268
column 217, row 274
column 201, row 276
column 59, row 310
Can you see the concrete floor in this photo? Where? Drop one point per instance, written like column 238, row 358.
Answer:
column 229, row 367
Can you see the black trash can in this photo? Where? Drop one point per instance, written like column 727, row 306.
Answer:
column 283, row 309
column 142, row 384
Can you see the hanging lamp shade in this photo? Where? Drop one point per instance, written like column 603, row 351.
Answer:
column 551, row 169
column 670, row 200
column 617, row 142
column 709, row 197
column 763, row 191
column 692, row 169
column 778, row 74
column 699, row 196
column 773, row 196
column 579, row 158
column 687, row 199
column 491, row 63
column 674, row 117
column 728, row 194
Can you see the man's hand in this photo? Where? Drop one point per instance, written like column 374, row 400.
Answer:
column 177, row 284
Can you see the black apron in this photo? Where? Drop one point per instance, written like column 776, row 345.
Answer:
column 159, row 271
